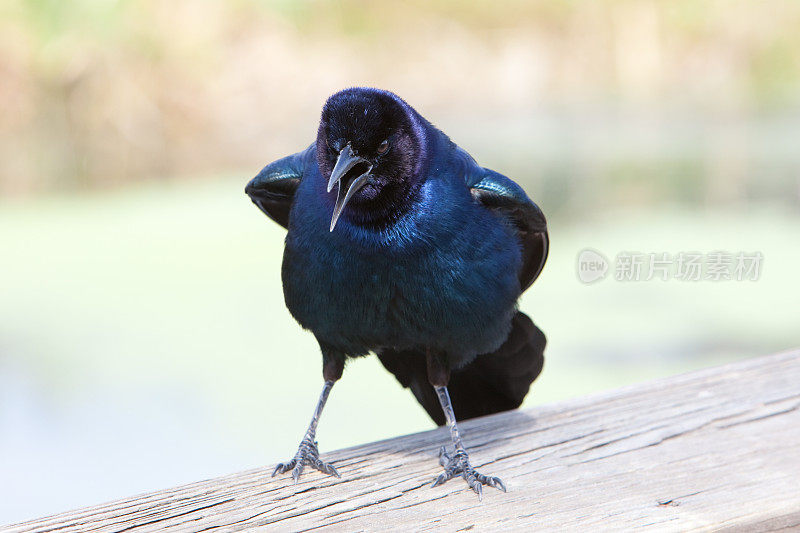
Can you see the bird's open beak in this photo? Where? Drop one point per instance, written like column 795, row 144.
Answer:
column 351, row 172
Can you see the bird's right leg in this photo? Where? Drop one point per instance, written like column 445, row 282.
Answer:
column 307, row 452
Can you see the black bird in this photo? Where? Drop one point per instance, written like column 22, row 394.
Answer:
column 418, row 256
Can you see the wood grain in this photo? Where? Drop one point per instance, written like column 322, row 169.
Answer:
column 715, row 449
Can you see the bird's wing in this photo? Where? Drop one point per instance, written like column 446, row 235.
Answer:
column 507, row 199
column 272, row 190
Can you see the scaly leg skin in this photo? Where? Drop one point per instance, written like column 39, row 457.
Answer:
column 308, row 454
column 458, row 463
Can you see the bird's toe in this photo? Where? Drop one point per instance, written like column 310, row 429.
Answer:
column 307, row 455
column 459, row 463
column 283, row 467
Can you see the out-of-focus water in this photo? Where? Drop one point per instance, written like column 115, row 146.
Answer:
column 144, row 341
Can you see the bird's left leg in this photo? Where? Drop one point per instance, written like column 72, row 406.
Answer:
column 458, row 463
column 307, row 452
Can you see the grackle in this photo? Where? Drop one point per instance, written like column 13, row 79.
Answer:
column 399, row 244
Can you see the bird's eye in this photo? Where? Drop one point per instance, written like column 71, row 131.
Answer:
column 335, row 144
column 383, row 147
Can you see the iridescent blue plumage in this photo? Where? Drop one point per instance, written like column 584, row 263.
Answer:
column 442, row 276
column 419, row 255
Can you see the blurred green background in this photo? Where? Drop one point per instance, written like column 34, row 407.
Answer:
column 143, row 336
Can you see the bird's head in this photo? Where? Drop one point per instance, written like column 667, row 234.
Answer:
column 370, row 148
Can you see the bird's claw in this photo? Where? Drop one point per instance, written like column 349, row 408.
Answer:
column 457, row 464
column 307, row 454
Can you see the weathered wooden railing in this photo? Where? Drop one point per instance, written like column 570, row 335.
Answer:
column 714, row 449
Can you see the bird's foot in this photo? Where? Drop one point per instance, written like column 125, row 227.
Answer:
column 457, row 464
column 307, row 454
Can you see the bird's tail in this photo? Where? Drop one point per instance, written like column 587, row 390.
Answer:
column 491, row 383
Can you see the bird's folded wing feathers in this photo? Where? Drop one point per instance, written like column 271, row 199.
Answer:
column 272, row 190
column 507, row 199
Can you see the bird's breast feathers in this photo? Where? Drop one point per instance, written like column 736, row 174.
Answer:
column 445, row 279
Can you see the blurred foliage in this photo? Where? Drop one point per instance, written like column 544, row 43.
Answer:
column 102, row 92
